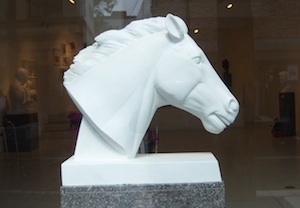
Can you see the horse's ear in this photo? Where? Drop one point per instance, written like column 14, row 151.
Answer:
column 176, row 27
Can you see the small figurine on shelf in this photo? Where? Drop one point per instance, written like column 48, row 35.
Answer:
column 150, row 142
column 75, row 120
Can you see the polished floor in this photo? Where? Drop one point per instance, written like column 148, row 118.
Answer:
column 259, row 171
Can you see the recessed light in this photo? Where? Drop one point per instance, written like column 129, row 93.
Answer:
column 229, row 6
column 72, row 1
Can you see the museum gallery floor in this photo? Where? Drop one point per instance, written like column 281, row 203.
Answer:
column 258, row 170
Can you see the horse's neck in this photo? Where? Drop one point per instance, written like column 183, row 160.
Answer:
column 118, row 97
column 140, row 61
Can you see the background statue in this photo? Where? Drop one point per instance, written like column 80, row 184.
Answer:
column 22, row 94
column 285, row 82
column 126, row 75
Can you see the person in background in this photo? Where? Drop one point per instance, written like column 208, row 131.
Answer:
column 226, row 75
column 285, row 82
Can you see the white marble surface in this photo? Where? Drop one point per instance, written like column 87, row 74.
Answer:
column 120, row 81
column 144, row 169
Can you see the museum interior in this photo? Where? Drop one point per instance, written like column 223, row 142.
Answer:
column 253, row 45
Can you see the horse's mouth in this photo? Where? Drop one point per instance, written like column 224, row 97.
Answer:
column 224, row 120
column 216, row 123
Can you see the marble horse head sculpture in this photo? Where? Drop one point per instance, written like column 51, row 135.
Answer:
column 120, row 81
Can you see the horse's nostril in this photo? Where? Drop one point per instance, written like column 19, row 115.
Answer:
column 233, row 106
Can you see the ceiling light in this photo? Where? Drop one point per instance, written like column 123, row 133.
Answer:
column 72, row 1
column 229, row 6
column 196, row 31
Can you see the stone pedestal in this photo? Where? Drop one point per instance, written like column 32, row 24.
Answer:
column 191, row 195
column 150, row 180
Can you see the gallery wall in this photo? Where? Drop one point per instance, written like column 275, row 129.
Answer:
column 258, row 38
column 44, row 42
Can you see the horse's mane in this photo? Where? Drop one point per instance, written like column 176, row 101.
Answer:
column 109, row 42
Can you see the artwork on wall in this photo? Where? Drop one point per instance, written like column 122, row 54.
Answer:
column 62, row 56
column 63, row 48
column 56, row 57
column 66, row 61
column 71, row 47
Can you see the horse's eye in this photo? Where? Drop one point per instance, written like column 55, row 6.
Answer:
column 197, row 60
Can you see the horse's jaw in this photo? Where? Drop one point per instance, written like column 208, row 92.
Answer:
column 215, row 124
column 215, row 112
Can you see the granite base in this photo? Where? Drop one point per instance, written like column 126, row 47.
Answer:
column 191, row 195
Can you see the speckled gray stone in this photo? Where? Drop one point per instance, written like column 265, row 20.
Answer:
column 206, row 195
